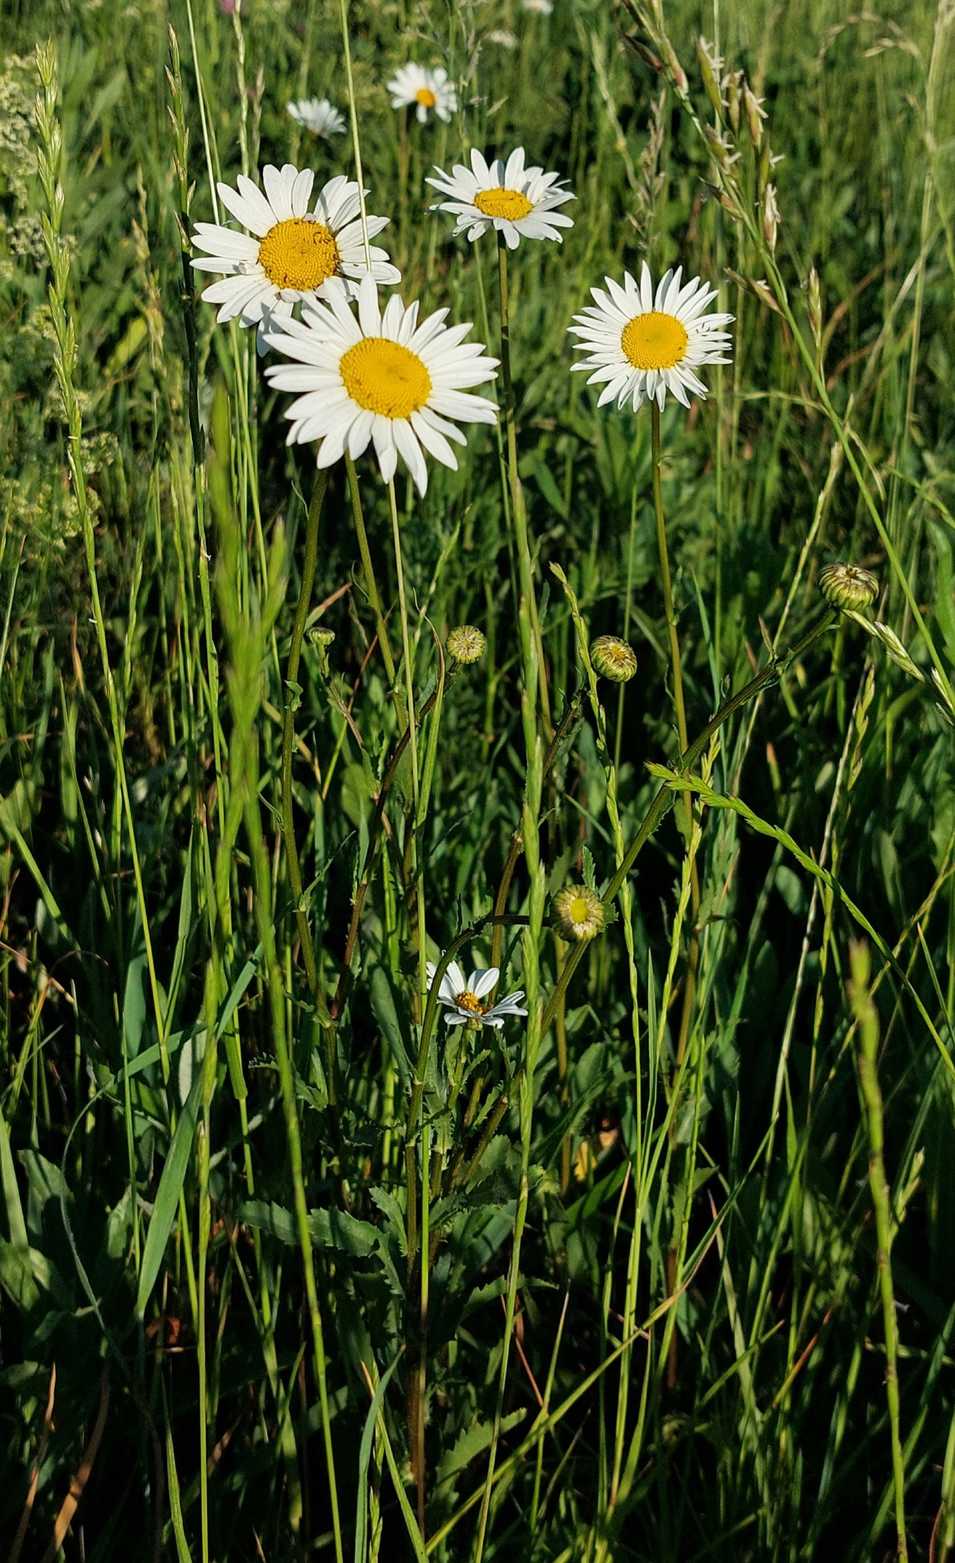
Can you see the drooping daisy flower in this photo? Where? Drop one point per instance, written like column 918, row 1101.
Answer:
column 318, row 115
column 516, row 201
column 463, row 1000
column 425, row 91
column 379, row 378
column 292, row 251
column 645, row 343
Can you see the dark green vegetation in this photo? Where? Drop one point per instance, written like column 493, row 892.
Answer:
column 653, row 1325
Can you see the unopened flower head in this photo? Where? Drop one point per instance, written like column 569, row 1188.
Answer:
column 463, row 998
column 518, row 202
column 466, row 644
column 641, row 343
column 426, row 91
column 613, row 658
column 848, row 586
column 379, row 378
column 318, row 115
column 579, row 912
column 296, row 248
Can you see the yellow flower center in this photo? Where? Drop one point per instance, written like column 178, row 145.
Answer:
column 299, row 253
column 469, row 1001
column 384, row 377
column 654, row 340
column 579, row 910
column 425, row 97
column 503, row 203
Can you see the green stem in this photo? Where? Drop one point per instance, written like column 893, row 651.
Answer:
column 664, row 798
column 518, row 510
column 371, row 585
column 679, row 705
column 867, row 1017
column 309, row 564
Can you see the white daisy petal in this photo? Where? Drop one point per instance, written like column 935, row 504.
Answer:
column 483, row 981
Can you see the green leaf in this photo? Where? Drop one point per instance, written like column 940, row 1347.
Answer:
column 167, row 1198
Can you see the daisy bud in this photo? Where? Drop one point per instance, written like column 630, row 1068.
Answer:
column 613, row 658
column 848, row 586
column 466, row 644
column 579, row 912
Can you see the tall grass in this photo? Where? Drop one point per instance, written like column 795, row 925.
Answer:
column 289, row 1268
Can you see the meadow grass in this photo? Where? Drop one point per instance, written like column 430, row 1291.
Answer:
column 664, row 1270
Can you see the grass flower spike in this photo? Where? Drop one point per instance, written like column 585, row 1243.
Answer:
column 644, row 343
column 379, row 377
column 463, row 1000
column 293, row 249
column 319, row 116
column 519, row 202
column 426, row 91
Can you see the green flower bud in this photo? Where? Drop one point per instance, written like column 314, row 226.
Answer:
column 613, row 658
column 466, row 644
column 579, row 912
column 846, row 586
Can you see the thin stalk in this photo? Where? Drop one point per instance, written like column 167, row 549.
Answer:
column 867, row 1017
column 518, row 510
column 664, row 799
column 679, row 706
column 371, row 585
column 309, row 565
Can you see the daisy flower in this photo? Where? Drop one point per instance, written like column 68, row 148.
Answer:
column 423, row 90
column 318, row 116
column 644, row 343
column 381, row 378
column 292, row 251
column 463, row 1000
column 516, row 201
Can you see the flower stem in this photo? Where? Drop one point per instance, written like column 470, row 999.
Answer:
column 679, row 706
column 518, row 510
column 309, row 564
column 371, row 587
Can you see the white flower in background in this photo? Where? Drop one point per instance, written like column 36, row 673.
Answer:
column 516, row 201
column 379, row 378
column 318, row 115
column 644, row 343
column 426, row 91
column 501, row 36
column 292, row 252
column 541, row 7
column 463, row 1000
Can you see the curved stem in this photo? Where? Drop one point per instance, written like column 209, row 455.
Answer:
column 664, row 799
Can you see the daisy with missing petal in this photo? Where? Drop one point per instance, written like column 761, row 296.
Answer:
column 463, row 1000
column 644, row 343
column 426, row 91
column 319, row 116
column 519, row 202
column 380, row 378
column 292, row 251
